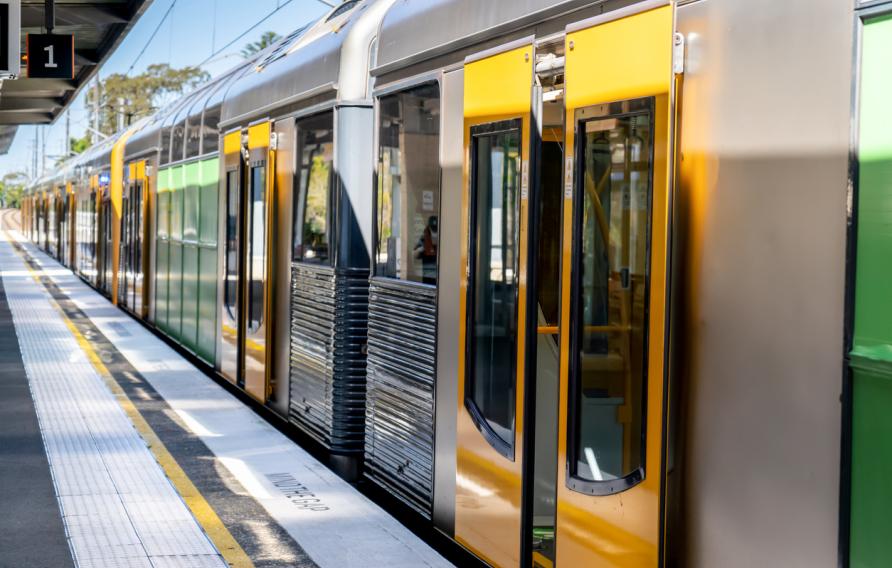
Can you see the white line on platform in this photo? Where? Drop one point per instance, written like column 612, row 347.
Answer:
column 336, row 525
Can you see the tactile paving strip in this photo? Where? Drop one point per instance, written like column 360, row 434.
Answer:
column 118, row 507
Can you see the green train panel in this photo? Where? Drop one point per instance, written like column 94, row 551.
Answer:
column 871, row 356
column 162, row 250
column 207, row 259
column 186, row 270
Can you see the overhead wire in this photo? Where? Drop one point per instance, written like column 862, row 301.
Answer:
column 247, row 31
column 152, row 37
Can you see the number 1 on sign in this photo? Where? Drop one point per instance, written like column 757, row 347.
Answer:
column 51, row 61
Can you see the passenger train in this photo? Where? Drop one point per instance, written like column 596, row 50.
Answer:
column 580, row 282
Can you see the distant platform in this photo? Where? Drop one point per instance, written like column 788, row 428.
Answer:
column 150, row 461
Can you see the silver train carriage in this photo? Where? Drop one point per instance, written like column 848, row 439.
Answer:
column 571, row 279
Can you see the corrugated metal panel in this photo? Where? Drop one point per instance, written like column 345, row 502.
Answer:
column 402, row 339
column 328, row 331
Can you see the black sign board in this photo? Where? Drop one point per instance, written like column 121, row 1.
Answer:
column 50, row 56
column 4, row 38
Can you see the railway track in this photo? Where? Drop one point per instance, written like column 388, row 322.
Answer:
column 10, row 219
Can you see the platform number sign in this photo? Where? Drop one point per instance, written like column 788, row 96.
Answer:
column 50, row 56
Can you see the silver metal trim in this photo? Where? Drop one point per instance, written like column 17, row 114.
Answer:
column 619, row 14
column 407, row 83
column 873, row 9
column 504, row 28
column 138, row 155
column 309, row 111
column 529, row 40
column 868, row 4
column 330, row 87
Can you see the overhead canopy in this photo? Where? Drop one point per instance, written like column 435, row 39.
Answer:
column 98, row 27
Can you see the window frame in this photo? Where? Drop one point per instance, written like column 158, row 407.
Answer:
column 504, row 447
column 635, row 477
column 232, row 308
column 398, row 90
column 298, row 219
column 249, row 218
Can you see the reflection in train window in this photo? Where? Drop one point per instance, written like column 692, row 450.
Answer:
column 408, row 203
column 210, row 131
column 315, row 139
column 492, row 305
column 231, row 259
column 256, row 242
column 609, row 377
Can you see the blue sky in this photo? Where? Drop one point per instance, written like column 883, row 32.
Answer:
column 191, row 32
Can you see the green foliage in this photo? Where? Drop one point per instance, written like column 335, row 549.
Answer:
column 266, row 40
column 140, row 95
column 12, row 188
column 79, row 145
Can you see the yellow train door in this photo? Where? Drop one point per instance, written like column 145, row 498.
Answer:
column 613, row 391
column 247, row 194
column 490, row 433
column 256, row 256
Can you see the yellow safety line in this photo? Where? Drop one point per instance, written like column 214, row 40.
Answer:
column 205, row 515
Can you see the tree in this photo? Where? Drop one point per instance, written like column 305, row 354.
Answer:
column 78, row 145
column 139, row 95
column 266, row 40
column 12, row 188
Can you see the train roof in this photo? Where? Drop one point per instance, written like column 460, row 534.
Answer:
column 416, row 32
column 327, row 61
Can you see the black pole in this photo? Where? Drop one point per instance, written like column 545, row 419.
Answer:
column 49, row 15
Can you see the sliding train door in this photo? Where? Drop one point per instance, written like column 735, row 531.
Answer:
column 130, row 264
column 230, row 262
column 490, row 432
column 256, row 255
column 613, row 390
column 245, row 265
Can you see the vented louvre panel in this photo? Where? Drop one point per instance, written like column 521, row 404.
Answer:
column 328, row 331
column 402, row 338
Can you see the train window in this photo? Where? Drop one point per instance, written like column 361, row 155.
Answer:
column 137, row 204
column 165, row 146
column 177, row 141
column 315, row 137
column 256, row 253
column 193, row 136
column 611, row 269
column 408, row 200
column 230, row 285
column 210, row 130
column 343, row 9
column 492, row 288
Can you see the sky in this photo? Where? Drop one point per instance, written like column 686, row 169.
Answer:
column 186, row 32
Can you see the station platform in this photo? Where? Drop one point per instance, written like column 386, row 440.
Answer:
column 116, row 451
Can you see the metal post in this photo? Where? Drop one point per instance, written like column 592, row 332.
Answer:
column 67, row 150
column 49, row 15
column 34, row 155
column 120, row 114
column 43, row 150
column 96, row 110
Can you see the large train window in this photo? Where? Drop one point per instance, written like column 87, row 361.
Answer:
column 492, row 288
column 177, row 141
column 230, row 286
column 611, row 273
column 256, row 253
column 210, row 131
column 408, row 200
column 315, row 137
